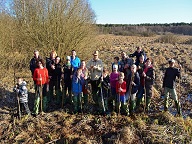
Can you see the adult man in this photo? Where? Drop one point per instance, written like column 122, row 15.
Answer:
column 33, row 61
column 75, row 61
column 169, row 85
column 125, row 64
column 95, row 66
column 139, row 52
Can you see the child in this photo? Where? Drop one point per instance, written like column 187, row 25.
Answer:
column 114, row 76
column 104, row 91
column 22, row 92
column 77, row 84
column 116, row 62
column 121, row 90
column 67, row 68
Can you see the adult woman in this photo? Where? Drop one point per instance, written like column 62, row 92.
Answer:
column 41, row 78
column 149, row 77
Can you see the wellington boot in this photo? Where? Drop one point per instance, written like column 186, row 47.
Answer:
column 178, row 107
column 45, row 102
column 36, row 105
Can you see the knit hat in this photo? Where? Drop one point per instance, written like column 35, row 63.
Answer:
column 115, row 66
column 171, row 61
column 68, row 58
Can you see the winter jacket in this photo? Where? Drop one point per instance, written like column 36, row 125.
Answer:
column 170, row 76
column 123, row 86
column 95, row 74
column 77, row 84
column 150, row 77
column 49, row 62
column 22, row 92
column 75, row 63
column 113, row 79
column 41, row 73
column 125, row 61
column 33, row 64
column 67, row 73
column 134, row 88
column 56, row 75
column 137, row 55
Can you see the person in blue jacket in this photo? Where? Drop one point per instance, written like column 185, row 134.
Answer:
column 77, row 86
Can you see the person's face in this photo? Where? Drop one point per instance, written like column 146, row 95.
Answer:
column 115, row 61
column 53, row 55
column 40, row 64
column 133, row 69
column 139, row 50
column 141, row 59
column 121, row 77
column 95, row 57
column 57, row 60
column 73, row 53
column 79, row 72
column 148, row 62
column 83, row 64
column 36, row 54
column 19, row 81
column 123, row 54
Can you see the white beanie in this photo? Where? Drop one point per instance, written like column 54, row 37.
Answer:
column 68, row 57
column 115, row 66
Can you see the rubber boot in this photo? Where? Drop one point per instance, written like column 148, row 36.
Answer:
column 138, row 102
column 50, row 96
column 58, row 97
column 75, row 104
column 118, row 107
column 45, row 103
column 70, row 97
column 125, row 109
column 148, row 101
column 132, row 107
column 85, row 98
column 36, row 106
column 166, row 104
column 178, row 107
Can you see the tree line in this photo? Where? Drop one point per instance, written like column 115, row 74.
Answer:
column 146, row 29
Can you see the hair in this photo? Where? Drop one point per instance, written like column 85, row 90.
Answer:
column 53, row 52
column 117, row 58
column 42, row 61
column 72, row 50
column 58, row 57
column 149, row 59
column 121, row 74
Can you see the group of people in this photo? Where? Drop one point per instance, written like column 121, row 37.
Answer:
column 121, row 91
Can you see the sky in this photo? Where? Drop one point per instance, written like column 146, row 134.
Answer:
column 142, row 11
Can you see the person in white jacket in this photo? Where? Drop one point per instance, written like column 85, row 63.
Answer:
column 95, row 67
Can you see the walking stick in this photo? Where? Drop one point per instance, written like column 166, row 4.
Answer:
column 41, row 95
column 102, row 100
column 62, row 103
column 17, row 96
column 145, row 97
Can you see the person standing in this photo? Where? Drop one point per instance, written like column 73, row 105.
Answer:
column 41, row 79
column 22, row 92
column 169, row 85
column 133, row 83
column 75, row 61
column 85, row 85
column 149, row 78
column 77, row 85
column 121, row 90
column 125, row 64
column 95, row 67
column 139, row 52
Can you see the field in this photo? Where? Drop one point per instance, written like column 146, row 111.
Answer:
column 59, row 126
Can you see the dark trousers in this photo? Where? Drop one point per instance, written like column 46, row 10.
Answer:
column 94, row 88
column 24, row 107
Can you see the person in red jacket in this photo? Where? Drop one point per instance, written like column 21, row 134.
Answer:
column 121, row 90
column 41, row 79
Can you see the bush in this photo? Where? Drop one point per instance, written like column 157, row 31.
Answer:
column 168, row 38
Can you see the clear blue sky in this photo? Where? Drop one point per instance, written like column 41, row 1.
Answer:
column 142, row 11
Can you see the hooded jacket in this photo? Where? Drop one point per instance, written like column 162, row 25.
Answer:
column 22, row 92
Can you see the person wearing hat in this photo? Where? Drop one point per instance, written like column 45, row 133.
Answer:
column 114, row 77
column 169, row 85
column 95, row 67
column 67, row 72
